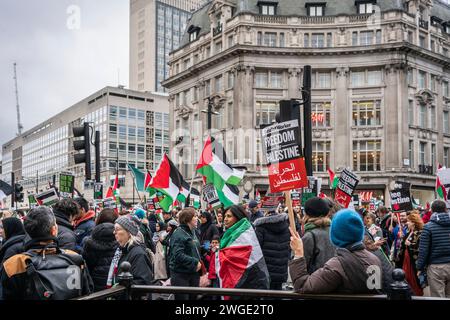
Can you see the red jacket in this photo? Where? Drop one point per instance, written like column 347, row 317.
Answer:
column 211, row 258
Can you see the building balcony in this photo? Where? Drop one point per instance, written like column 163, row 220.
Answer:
column 318, row 20
column 424, row 169
column 360, row 18
column 423, row 24
column 270, row 19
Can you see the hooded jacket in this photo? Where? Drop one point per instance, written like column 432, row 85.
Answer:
column 84, row 227
column 346, row 273
column 14, row 241
column 98, row 252
column 317, row 244
column 434, row 246
column 274, row 237
column 66, row 236
column 184, row 251
column 141, row 266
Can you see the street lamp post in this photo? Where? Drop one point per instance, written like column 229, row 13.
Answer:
column 215, row 101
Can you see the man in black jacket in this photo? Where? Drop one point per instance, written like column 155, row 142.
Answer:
column 434, row 250
column 66, row 210
column 20, row 277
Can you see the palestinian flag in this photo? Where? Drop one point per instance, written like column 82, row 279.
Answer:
column 167, row 180
column 116, row 191
column 240, row 262
column 138, row 177
column 47, row 198
column 213, row 165
column 229, row 195
column 5, row 190
column 184, row 191
column 147, row 188
column 333, row 179
column 440, row 188
column 195, row 196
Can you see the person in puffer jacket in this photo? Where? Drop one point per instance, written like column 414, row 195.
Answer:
column 99, row 249
column 273, row 236
column 434, row 251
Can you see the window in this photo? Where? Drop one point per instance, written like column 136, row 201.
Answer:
column 374, row 78
column 366, row 113
column 261, row 79
column 267, row 9
column 432, row 117
column 275, row 79
column 423, row 116
column 187, row 97
column 122, row 132
column 187, row 64
column 410, row 37
column 230, row 80
column 445, row 90
column 422, row 41
column 281, row 38
column 218, row 47
column 365, row 38
column 354, row 38
column 218, row 84
column 445, row 120
column 141, row 115
column 365, row 8
column 230, row 41
column 433, row 157
column 358, row 78
column 324, row 80
column 321, row 155
column 446, row 155
column 378, row 37
column 122, row 113
column 112, row 113
column 317, row 40
column 422, row 147
column 421, row 80
column 270, row 39
column 321, row 114
column 265, row 112
column 411, row 153
column 316, row 10
column 113, row 128
column 230, row 115
column 193, row 36
column 131, row 113
column 132, row 133
column 367, row 155
column 433, row 45
column 411, row 113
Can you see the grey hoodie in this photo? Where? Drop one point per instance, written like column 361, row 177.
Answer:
column 434, row 247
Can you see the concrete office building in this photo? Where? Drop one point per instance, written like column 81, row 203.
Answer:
column 380, row 99
column 132, row 124
column 156, row 28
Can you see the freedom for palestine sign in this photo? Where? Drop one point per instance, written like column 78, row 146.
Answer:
column 285, row 162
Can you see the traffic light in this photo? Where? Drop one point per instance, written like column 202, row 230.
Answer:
column 83, row 144
column 18, row 194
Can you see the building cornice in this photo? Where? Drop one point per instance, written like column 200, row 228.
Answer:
column 240, row 50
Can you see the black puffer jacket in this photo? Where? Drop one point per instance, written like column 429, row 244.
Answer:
column 98, row 253
column 11, row 247
column 274, row 237
column 67, row 238
column 141, row 267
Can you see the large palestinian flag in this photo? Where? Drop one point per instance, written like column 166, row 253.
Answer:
column 240, row 262
column 167, row 180
column 216, row 170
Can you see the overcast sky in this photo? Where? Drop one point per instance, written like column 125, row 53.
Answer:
column 60, row 59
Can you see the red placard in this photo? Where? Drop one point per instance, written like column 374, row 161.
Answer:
column 288, row 175
column 342, row 198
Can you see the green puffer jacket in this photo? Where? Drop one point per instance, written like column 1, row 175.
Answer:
column 184, row 256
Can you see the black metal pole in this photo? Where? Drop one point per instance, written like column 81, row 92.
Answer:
column 87, row 150
column 307, row 125
column 97, row 156
column 13, row 185
column 209, row 114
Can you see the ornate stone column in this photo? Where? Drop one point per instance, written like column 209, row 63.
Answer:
column 294, row 82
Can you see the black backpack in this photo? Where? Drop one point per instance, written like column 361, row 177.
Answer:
column 59, row 276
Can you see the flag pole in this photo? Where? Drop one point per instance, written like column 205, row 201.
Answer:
column 290, row 210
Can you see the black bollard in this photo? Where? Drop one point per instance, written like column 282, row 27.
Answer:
column 125, row 278
column 400, row 289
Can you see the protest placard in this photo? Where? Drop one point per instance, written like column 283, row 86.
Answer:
column 401, row 197
column 346, row 185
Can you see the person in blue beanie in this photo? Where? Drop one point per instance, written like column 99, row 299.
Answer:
column 140, row 216
column 347, row 272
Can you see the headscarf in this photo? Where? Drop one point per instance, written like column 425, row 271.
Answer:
column 12, row 227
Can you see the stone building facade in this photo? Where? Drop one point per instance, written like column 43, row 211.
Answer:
column 380, row 98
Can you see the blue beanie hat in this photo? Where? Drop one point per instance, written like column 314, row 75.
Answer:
column 140, row 213
column 347, row 228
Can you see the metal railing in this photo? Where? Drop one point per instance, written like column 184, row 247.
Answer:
column 126, row 291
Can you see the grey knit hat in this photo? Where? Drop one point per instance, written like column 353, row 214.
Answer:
column 128, row 224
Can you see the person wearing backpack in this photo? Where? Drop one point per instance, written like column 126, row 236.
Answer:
column 44, row 271
column 317, row 243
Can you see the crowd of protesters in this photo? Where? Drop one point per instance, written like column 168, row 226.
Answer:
column 329, row 252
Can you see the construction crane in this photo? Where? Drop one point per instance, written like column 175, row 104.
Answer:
column 19, row 124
